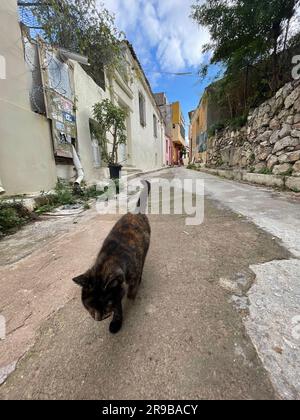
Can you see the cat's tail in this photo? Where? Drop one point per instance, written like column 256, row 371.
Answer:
column 142, row 203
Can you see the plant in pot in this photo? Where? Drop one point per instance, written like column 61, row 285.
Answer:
column 111, row 123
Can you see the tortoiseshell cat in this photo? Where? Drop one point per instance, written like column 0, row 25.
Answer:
column 118, row 267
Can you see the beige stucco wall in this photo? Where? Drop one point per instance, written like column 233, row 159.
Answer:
column 26, row 159
column 88, row 93
column 27, row 163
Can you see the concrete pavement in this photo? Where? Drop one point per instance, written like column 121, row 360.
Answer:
column 183, row 337
column 274, row 301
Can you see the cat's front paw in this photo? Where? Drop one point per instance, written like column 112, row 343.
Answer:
column 115, row 327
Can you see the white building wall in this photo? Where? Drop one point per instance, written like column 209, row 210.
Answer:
column 147, row 149
column 123, row 96
column 144, row 150
column 88, row 94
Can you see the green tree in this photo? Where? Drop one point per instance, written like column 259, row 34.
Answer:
column 246, row 32
column 84, row 27
column 112, row 120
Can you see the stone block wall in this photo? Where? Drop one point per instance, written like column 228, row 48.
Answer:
column 269, row 143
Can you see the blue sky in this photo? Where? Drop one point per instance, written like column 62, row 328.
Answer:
column 166, row 40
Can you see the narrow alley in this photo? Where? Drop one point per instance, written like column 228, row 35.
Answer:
column 199, row 328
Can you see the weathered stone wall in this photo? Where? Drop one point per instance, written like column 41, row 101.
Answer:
column 269, row 142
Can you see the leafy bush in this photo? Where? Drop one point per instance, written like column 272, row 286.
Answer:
column 192, row 166
column 12, row 217
column 91, row 192
column 252, row 158
column 265, row 171
column 64, row 195
column 288, row 173
column 44, row 209
column 216, row 127
column 219, row 162
column 112, row 119
column 238, row 122
column 295, row 190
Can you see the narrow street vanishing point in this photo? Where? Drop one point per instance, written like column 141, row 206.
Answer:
column 211, row 321
column 149, row 202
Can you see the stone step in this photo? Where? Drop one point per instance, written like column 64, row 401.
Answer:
column 131, row 169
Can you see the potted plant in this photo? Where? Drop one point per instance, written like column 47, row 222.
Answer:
column 111, row 120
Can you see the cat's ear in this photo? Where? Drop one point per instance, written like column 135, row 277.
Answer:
column 115, row 279
column 83, row 280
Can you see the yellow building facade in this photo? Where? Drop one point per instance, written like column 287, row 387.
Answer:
column 178, row 131
column 198, row 131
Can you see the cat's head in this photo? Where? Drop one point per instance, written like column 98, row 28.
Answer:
column 100, row 294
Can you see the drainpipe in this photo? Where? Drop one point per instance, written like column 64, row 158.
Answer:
column 78, row 166
column 2, row 190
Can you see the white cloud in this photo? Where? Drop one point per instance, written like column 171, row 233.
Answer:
column 163, row 26
column 170, row 54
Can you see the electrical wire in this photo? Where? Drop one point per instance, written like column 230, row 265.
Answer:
column 172, row 74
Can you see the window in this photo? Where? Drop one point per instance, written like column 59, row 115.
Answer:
column 100, row 77
column 3, row 67
column 96, row 154
column 59, row 76
column 182, row 131
column 96, row 150
column 155, row 131
column 142, row 107
column 202, row 142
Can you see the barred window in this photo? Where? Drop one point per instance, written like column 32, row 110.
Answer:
column 155, row 128
column 142, row 107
